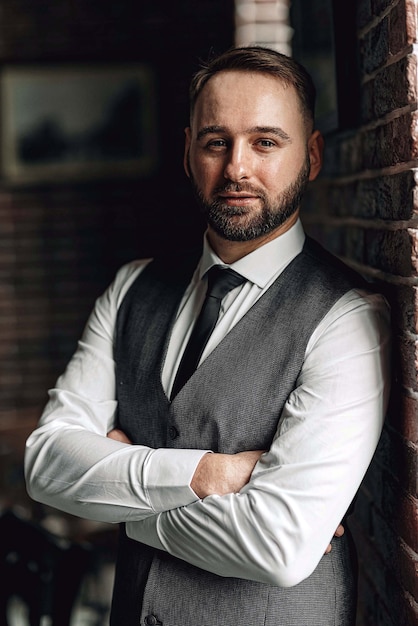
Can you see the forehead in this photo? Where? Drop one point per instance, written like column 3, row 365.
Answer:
column 247, row 98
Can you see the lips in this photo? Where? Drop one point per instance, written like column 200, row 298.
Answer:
column 231, row 194
column 237, row 199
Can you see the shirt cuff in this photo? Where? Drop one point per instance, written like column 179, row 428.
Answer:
column 168, row 474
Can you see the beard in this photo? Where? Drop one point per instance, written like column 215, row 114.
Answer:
column 274, row 211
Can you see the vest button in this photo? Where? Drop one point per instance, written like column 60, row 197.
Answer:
column 151, row 620
column 173, row 432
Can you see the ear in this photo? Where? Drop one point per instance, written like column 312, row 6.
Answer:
column 315, row 151
column 187, row 142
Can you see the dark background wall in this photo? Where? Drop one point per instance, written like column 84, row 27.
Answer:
column 60, row 243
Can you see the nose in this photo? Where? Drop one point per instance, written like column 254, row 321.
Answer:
column 238, row 163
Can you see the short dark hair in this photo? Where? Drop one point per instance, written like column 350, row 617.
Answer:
column 263, row 60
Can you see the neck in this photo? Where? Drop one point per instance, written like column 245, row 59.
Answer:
column 231, row 251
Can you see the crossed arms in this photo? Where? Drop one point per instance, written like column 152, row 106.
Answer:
column 221, row 474
column 271, row 518
column 216, row 473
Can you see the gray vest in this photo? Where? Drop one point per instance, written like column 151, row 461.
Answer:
column 248, row 377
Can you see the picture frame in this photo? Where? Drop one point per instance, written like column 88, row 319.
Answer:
column 77, row 123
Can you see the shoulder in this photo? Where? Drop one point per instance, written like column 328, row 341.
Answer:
column 100, row 325
column 163, row 274
column 360, row 316
column 363, row 304
column 108, row 303
column 124, row 279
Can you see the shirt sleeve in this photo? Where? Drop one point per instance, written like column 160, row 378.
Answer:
column 71, row 465
column 277, row 528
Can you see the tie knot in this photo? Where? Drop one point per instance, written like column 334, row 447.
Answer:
column 221, row 280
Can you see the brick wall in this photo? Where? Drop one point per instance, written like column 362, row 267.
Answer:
column 364, row 209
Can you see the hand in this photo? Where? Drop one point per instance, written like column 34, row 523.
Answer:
column 338, row 533
column 118, row 435
column 224, row 473
column 221, row 473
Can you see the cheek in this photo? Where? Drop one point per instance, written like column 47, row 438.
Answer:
column 205, row 172
column 279, row 173
column 272, row 175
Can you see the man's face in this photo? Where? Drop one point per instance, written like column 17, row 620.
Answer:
column 248, row 154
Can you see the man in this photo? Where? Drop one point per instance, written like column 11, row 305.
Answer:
column 242, row 469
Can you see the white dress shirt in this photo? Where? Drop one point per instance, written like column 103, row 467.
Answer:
column 277, row 528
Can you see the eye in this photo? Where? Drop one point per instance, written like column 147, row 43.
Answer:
column 266, row 143
column 216, row 144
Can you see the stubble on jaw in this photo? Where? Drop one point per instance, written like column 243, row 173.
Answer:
column 230, row 223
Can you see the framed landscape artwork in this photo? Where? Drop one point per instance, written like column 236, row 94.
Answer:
column 64, row 122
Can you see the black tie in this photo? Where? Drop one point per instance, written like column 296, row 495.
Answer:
column 220, row 282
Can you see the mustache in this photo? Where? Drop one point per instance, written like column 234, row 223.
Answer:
column 239, row 187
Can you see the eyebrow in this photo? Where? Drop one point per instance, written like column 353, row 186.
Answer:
column 210, row 130
column 269, row 130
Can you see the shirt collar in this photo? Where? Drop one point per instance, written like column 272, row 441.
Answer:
column 262, row 264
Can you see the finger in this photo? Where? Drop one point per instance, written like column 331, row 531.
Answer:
column 328, row 550
column 118, row 435
column 340, row 531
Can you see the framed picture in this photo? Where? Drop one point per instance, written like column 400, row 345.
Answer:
column 61, row 123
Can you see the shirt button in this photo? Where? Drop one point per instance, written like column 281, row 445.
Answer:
column 151, row 620
column 173, row 432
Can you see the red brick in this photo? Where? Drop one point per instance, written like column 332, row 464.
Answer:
column 400, row 510
column 398, row 39
column 403, row 416
column 379, row 6
column 409, row 613
column 378, row 98
column 391, row 144
column 374, row 49
column 403, row 300
column 411, row 21
column 343, row 153
column 407, row 375
column 391, row 251
column 408, row 570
